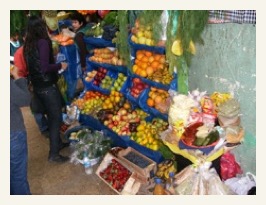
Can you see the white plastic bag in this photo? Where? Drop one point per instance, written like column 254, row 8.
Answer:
column 241, row 185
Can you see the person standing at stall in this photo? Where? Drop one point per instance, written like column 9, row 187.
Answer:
column 20, row 63
column 43, row 75
column 79, row 26
column 19, row 97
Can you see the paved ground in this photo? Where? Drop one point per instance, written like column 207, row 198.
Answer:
column 57, row 179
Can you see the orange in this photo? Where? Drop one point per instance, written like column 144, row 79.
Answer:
column 151, row 59
column 150, row 102
column 144, row 65
column 158, row 99
column 148, row 53
column 137, row 61
column 149, row 70
column 139, row 55
column 155, row 64
column 143, row 73
column 145, row 59
column 157, row 57
column 127, row 105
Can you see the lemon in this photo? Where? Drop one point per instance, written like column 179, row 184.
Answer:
column 192, row 48
column 177, row 48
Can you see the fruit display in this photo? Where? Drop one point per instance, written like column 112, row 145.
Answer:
column 90, row 75
column 147, row 133
column 158, row 99
column 106, row 55
column 100, row 75
column 90, row 103
column 114, row 101
column 107, row 82
column 147, row 62
column 164, row 168
column 142, row 35
column 119, row 82
column 63, row 39
column 116, row 175
column 152, row 66
column 86, row 12
column 137, row 87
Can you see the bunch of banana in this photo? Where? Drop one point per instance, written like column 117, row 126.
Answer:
column 62, row 85
column 162, row 76
column 164, row 168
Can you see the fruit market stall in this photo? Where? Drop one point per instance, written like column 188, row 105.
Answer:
column 136, row 103
column 136, row 114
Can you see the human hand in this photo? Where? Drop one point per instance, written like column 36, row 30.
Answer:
column 64, row 65
column 14, row 72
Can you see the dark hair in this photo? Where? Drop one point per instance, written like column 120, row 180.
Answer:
column 36, row 29
column 78, row 17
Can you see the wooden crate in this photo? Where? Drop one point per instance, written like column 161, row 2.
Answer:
column 143, row 173
column 132, row 185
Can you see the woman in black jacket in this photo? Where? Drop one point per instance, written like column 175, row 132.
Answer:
column 43, row 75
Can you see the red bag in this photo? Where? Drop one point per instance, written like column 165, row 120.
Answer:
column 229, row 167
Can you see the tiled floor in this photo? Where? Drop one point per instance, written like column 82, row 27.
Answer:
column 57, row 179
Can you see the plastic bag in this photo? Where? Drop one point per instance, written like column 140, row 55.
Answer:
column 241, row 185
column 229, row 167
column 201, row 181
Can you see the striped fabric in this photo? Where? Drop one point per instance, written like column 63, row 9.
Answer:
column 232, row 16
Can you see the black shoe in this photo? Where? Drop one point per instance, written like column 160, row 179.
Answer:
column 58, row 158
column 46, row 134
column 63, row 145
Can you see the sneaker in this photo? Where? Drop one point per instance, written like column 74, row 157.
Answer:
column 58, row 158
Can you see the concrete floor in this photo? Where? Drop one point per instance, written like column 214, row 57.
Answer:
column 47, row 178
column 57, row 179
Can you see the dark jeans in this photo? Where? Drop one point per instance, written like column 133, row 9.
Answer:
column 52, row 101
column 18, row 164
column 41, row 121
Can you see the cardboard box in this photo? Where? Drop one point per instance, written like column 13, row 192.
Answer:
column 142, row 172
column 131, row 187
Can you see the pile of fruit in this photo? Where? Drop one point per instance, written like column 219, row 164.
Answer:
column 90, row 103
column 90, row 75
column 119, row 82
column 147, row 62
column 116, row 175
column 164, row 168
column 114, row 101
column 86, row 12
column 137, row 87
column 142, row 35
column 63, row 40
column 107, row 82
column 158, row 99
column 147, row 133
column 106, row 55
column 99, row 76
